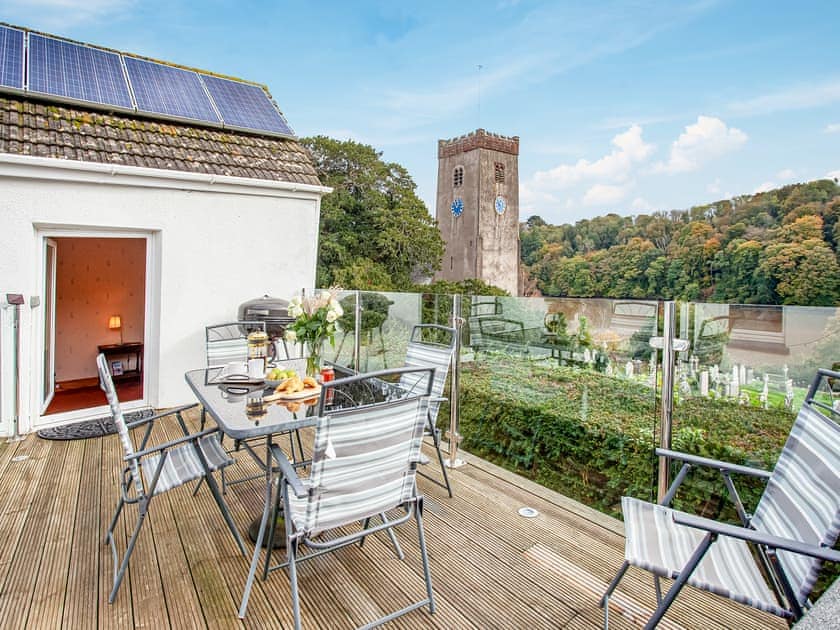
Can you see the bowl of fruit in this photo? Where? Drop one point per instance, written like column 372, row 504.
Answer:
column 276, row 376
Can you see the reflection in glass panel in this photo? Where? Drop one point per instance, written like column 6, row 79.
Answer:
column 608, row 336
column 754, row 355
column 737, row 388
column 385, row 326
column 561, row 390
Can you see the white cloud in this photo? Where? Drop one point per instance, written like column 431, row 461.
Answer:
column 803, row 96
column 832, row 128
column 702, row 141
column 764, row 187
column 833, row 174
column 617, row 165
column 786, row 174
column 604, row 194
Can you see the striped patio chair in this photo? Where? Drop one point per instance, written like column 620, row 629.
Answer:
column 772, row 560
column 153, row 470
column 432, row 353
column 363, row 465
column 226, row 343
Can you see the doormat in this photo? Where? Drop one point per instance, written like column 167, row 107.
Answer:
column 90, row 428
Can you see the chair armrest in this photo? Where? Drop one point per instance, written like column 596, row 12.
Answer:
column 714, row 463
column 139, row 423
column 162, row 447
column 288, row 472
column 760, row 538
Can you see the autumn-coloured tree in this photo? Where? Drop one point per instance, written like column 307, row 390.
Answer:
column 777, row 247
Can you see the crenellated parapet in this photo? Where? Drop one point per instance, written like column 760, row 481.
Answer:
column 478, row 139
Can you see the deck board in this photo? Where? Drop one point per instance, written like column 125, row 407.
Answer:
column 491, row 568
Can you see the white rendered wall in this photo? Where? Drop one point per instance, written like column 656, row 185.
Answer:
column 214, row 243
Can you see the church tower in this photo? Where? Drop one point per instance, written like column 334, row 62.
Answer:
column 478, row 208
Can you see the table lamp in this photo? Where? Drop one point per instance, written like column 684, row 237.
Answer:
column 115, row 323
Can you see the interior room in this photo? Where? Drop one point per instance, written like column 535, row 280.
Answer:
column 95, row 302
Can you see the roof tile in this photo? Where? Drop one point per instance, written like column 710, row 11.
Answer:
column 52, row 130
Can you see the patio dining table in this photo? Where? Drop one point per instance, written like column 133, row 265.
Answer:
column 241, row 413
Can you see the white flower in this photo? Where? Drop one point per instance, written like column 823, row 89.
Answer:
column 331, row 316
column 295, row 301
column 291, row 335
column 325, row 296
column 335, row 307
column 295, row 311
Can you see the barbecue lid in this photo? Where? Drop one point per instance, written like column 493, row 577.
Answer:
column 265, row 307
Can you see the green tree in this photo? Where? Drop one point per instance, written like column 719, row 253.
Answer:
column 375, row 232
column 803, row 266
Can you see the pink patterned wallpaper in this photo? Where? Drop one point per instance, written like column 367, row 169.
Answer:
column 96, row 278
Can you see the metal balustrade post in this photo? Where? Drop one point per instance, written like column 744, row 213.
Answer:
column 453, row 435
column 667, row 393
column 357, row 332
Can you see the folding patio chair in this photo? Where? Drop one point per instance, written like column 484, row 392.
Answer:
column 771, row 562
column 363, row 465
column 228, row 342
column 152, row 470
column 436, row 354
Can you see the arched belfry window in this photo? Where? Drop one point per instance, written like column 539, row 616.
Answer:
column 500, row 173
column 458, row 176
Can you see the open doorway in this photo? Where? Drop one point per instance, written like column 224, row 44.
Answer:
column 94, row 301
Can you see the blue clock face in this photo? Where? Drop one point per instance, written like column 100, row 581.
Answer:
column 457, row 207
column 500, row 204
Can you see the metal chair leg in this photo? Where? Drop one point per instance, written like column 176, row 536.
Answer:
column 364, row 527
column 418, row 515
column 291, row 558
column 118, row 577
column 214, row 488
column 605, row 600
column 686, row 572
column 272, row 528
column 291, row 555
column 436, row 440
column 393, row 536
column 300, row 444
column 255, row 559
column 109, row 533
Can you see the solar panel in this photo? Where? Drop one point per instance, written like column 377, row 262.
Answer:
column 160, row 89
column 245, row 106
column 52, row 67
column 74, row 71
column 11, row 57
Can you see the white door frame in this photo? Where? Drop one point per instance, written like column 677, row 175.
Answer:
column 48, row 378
column 151, row 330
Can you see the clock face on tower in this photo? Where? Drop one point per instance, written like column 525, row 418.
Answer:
column 457, row 207
column 500, row 204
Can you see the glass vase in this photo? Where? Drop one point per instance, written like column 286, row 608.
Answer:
column 313, row 359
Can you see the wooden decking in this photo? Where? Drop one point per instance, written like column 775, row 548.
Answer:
column 491, row 568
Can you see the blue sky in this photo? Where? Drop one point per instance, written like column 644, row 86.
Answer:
column 620, row 106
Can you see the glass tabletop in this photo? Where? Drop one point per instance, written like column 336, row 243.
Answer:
column 241, row 411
